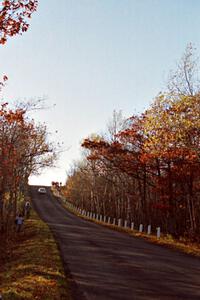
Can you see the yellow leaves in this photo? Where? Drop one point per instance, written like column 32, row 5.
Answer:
column 170, row 124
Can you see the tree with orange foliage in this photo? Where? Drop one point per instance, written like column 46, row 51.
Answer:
column 24, row 150
column 173, row 129
column 23, row 146
column 13, row 17
column 124, row 155
column 160, row 151
column 149, row 171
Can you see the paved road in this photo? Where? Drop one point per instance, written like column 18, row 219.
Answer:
column 109, row 265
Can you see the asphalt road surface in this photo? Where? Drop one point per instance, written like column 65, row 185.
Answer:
column 104, row 264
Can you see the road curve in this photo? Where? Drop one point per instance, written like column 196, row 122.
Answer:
column 109, row 265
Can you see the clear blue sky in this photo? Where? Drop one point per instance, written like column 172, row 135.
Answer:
column 93, row 56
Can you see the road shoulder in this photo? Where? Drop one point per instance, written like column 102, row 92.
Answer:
column 33, row 267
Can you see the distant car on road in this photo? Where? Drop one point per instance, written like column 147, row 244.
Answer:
column 42, row 190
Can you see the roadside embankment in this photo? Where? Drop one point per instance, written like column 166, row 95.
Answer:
column 32, row 268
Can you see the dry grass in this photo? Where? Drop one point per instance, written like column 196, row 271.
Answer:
column 33, row 270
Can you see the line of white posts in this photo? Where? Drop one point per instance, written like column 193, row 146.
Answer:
column 116, row 222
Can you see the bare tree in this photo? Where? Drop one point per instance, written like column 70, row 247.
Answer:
column 184, row 80
column 115, row 124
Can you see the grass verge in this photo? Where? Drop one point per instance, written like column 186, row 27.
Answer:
column 166, row 241
column 33, row 268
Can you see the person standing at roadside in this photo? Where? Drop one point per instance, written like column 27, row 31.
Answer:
column 19, row 220
column 27, row 208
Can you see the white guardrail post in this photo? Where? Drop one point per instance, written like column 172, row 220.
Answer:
column 149, row 229
column 125, row 223
column 141, row 228
column 105, row 219
column 119, row 222
column 158, row 232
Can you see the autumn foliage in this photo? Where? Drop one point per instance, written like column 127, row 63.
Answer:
column 24, row 149
column 23, row 145
column 13, row 17
column 148, row 171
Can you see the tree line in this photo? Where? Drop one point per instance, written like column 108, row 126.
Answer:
column 24, row 149
column 147, row 169
column 24, row 145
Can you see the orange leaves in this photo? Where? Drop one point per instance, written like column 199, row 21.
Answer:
column 20, row 143
column 12, row 125
column 160, row 148
column 13, row 15
column 5, row 78
column 6, row 3
column 2, row 83
column 88, row 143
column 12, row 116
